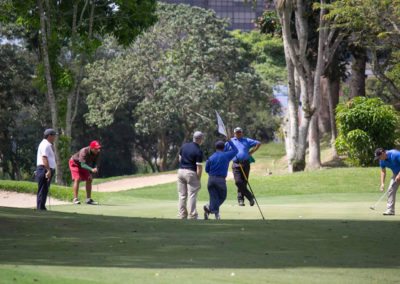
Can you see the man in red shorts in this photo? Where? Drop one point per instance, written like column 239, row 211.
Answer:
column 82, row 165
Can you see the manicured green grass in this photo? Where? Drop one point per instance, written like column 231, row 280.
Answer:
column 318, row 229
column 340, row 180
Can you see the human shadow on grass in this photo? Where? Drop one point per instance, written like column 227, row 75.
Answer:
column 30, row 237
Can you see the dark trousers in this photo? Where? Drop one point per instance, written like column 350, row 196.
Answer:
column 217, row 190
column 241, row 180
column 43, row 187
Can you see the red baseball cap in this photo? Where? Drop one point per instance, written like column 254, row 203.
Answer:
column 95, row 145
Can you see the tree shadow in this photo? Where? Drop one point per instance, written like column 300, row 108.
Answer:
column 29, row 237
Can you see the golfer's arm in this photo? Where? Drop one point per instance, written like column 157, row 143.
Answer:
column 199, row 170
column 45, row 162
column 255, row 148
column 383, row 176
column 86, row 167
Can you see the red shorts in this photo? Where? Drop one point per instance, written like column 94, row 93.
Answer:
column 77, row 173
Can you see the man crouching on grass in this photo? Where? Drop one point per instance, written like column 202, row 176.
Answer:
column 82, row 165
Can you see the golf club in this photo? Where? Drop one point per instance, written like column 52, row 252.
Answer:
column 379, row 200
column 48, row 193
column 97, row 189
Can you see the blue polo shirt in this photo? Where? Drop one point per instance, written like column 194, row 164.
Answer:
column 191, row 154
column 243, row 145
column 218, row 163
column 392, row 161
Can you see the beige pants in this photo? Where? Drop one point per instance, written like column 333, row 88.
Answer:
column 188, row 187
column 391, row 193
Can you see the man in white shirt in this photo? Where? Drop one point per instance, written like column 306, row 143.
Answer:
column 46, row 164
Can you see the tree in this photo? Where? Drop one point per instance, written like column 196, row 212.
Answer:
column 172, row 78
column 374, row 24
column 65, row 34
column 305, row 69
column 19, row 115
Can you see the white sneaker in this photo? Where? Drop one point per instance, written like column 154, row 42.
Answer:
column 76, row 201
column 217, row 216
column 388, row 212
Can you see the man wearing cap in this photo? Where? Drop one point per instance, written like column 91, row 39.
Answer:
column 46, row 164
column 241, row 164
column 189, row 175
column 82, row 165
column 217, row 168
column 389, row 159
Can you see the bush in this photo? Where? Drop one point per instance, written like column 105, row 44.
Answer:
column 365, row 124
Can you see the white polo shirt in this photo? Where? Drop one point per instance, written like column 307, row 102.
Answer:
column 45, row 149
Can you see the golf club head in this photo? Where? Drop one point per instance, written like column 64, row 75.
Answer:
column 372, row 207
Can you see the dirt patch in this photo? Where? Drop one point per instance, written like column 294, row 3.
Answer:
column 23, row 200
column 135, row 182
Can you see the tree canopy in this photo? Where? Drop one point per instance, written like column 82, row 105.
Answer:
column 173, row 78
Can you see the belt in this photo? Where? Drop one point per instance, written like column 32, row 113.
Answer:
column 217, row 176
column 241, row 161
column 41, row 166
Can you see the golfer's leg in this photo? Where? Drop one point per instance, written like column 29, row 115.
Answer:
column 222, row 192
column 76, row 188
column 193, row 188
column 213, row 192
column 89, row 188
column 246, row 192
column 239, row 181
column 182, row 195
column 41, row 195
column 392, row 195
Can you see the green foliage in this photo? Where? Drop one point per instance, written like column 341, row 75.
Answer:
column 365, row 124
column 266, row 53
column 269, row 23
column 20, row 111
column 373, row 24
column 173, row 78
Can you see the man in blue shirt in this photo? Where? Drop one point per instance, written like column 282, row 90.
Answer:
column 389, row 159
column 241, row 164
column 189, row 175
column 217, row 168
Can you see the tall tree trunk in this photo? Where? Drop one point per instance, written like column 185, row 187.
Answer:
column 324, row 119
column 315, row 148
column 73, row 96
column 357, row 81
column 50, row 92
column 291, row 124
column 333, row 99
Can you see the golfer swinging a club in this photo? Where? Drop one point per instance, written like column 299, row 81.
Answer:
column 389, row 159
column 241, row 164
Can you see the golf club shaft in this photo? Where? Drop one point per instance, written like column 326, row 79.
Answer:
column 251, row 190
column 380, row 198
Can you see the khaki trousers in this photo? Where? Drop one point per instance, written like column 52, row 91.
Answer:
column 188, row 187
column 391, row 193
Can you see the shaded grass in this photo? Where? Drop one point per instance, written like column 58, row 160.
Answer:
column 67, row 239
column 278, row 251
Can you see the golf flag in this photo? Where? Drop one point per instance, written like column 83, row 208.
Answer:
column 221, row 126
